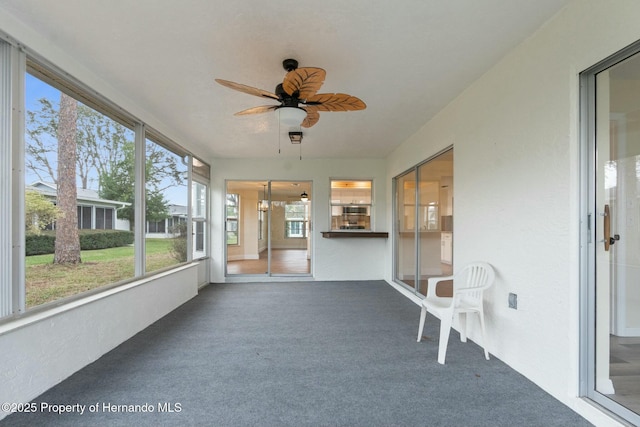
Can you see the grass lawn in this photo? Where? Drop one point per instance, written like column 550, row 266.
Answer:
column 47, row 282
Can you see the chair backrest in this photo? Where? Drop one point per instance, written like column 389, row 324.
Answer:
column 474, row 278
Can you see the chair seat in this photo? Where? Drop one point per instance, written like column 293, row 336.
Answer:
column 437, row 302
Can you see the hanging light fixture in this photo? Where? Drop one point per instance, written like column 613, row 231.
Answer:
column 291, row 116
column 304, row 196
column 295, row 137
column 263, row 205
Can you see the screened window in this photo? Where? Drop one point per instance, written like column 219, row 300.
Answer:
column 79, row 148
column 157, row 227
column 104, row 218
column 62, row 127
column 166, row 195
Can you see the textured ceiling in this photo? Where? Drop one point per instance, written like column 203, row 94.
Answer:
column 405, row 59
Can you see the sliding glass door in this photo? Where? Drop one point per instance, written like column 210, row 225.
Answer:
column 611, row 255
column 406, row 233
column 268, row 226
column 424, row 222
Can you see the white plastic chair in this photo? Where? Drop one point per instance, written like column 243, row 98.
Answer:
column 468, row 288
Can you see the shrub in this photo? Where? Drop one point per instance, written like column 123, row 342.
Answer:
column 103, row 239
column 179, row 242
column 40, row 244
column 44, row 243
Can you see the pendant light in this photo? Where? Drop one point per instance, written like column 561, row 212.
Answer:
column 263, row 205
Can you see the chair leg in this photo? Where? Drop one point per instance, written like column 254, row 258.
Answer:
column 445, row 328
column 423, row 315
column 484, row 335
column 463, row 319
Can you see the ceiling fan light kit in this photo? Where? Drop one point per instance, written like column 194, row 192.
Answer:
column 291, row 116
column 300, row 104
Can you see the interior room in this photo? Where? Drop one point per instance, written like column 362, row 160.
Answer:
column 162, row 162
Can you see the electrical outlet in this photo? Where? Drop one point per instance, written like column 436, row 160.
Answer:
column 513, row 301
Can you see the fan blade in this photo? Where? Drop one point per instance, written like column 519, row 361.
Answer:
column 257, row 110
column 312, row 118
column 248, row 89
column 335, row 102
column 306, row 81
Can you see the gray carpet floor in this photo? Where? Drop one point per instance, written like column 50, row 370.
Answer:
column 297, row 354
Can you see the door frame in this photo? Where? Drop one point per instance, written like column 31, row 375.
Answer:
column 589, row 237
column 396, row 224
column 268, row 275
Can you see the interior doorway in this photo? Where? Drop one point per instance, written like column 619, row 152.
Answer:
column 268, row 226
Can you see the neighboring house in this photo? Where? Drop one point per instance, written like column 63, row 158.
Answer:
column 163, row 229
column 94, row 213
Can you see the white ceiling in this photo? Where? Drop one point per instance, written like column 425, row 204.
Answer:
column 405, row 59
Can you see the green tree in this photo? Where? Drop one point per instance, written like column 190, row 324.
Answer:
column 161, row 173
column 39, row 212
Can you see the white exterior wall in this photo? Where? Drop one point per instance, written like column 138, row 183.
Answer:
column 515, row 134
column 333, row 259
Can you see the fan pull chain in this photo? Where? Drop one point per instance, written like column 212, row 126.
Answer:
column 279, row 133
column 300, row 130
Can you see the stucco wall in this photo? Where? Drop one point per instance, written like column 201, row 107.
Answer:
column 515, row 134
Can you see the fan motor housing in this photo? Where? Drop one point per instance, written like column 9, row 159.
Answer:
column 290, row 64
column 286, row 99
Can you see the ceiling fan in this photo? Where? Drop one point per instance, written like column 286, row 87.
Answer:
column 298, row 96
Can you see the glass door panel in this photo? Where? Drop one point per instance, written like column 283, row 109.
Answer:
column 616, row 356
column 246, row 217
column 290, row 243
column 406, row 229
column 434, row 221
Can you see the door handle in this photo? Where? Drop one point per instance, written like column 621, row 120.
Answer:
column 608, row 240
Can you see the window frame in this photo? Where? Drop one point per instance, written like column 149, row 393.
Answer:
column 199, row 213
column 289, row 221
column 18, row 60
